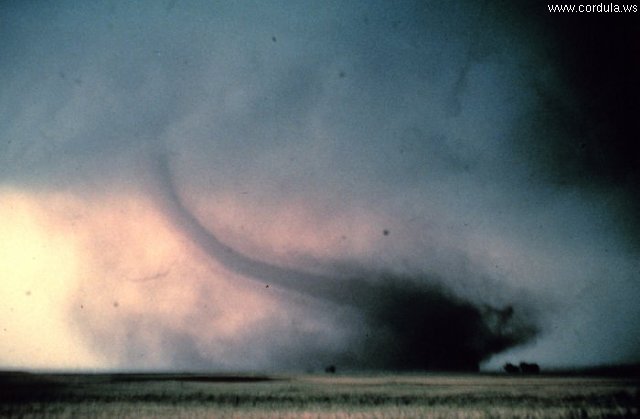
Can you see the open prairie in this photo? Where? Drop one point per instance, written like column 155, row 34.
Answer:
column 323, row 396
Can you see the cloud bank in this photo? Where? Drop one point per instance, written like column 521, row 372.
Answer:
column 269, row 185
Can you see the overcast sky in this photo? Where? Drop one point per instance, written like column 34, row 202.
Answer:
column 269, row 185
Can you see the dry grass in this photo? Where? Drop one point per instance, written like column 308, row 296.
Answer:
column 321, row 396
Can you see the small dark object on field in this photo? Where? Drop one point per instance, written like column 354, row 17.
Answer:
column 509, row 368
column 526, row 368
column 331, row 369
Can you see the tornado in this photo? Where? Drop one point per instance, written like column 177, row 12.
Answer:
column 413, row 323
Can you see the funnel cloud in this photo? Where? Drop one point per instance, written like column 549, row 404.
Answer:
column 409, row 323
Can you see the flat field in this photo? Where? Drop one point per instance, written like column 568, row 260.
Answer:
column 316, row 396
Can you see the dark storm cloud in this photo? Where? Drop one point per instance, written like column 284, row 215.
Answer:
column 494, row 150
column 588, row 123
column 602, row 66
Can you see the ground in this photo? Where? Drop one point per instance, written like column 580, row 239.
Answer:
column 317, row 395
